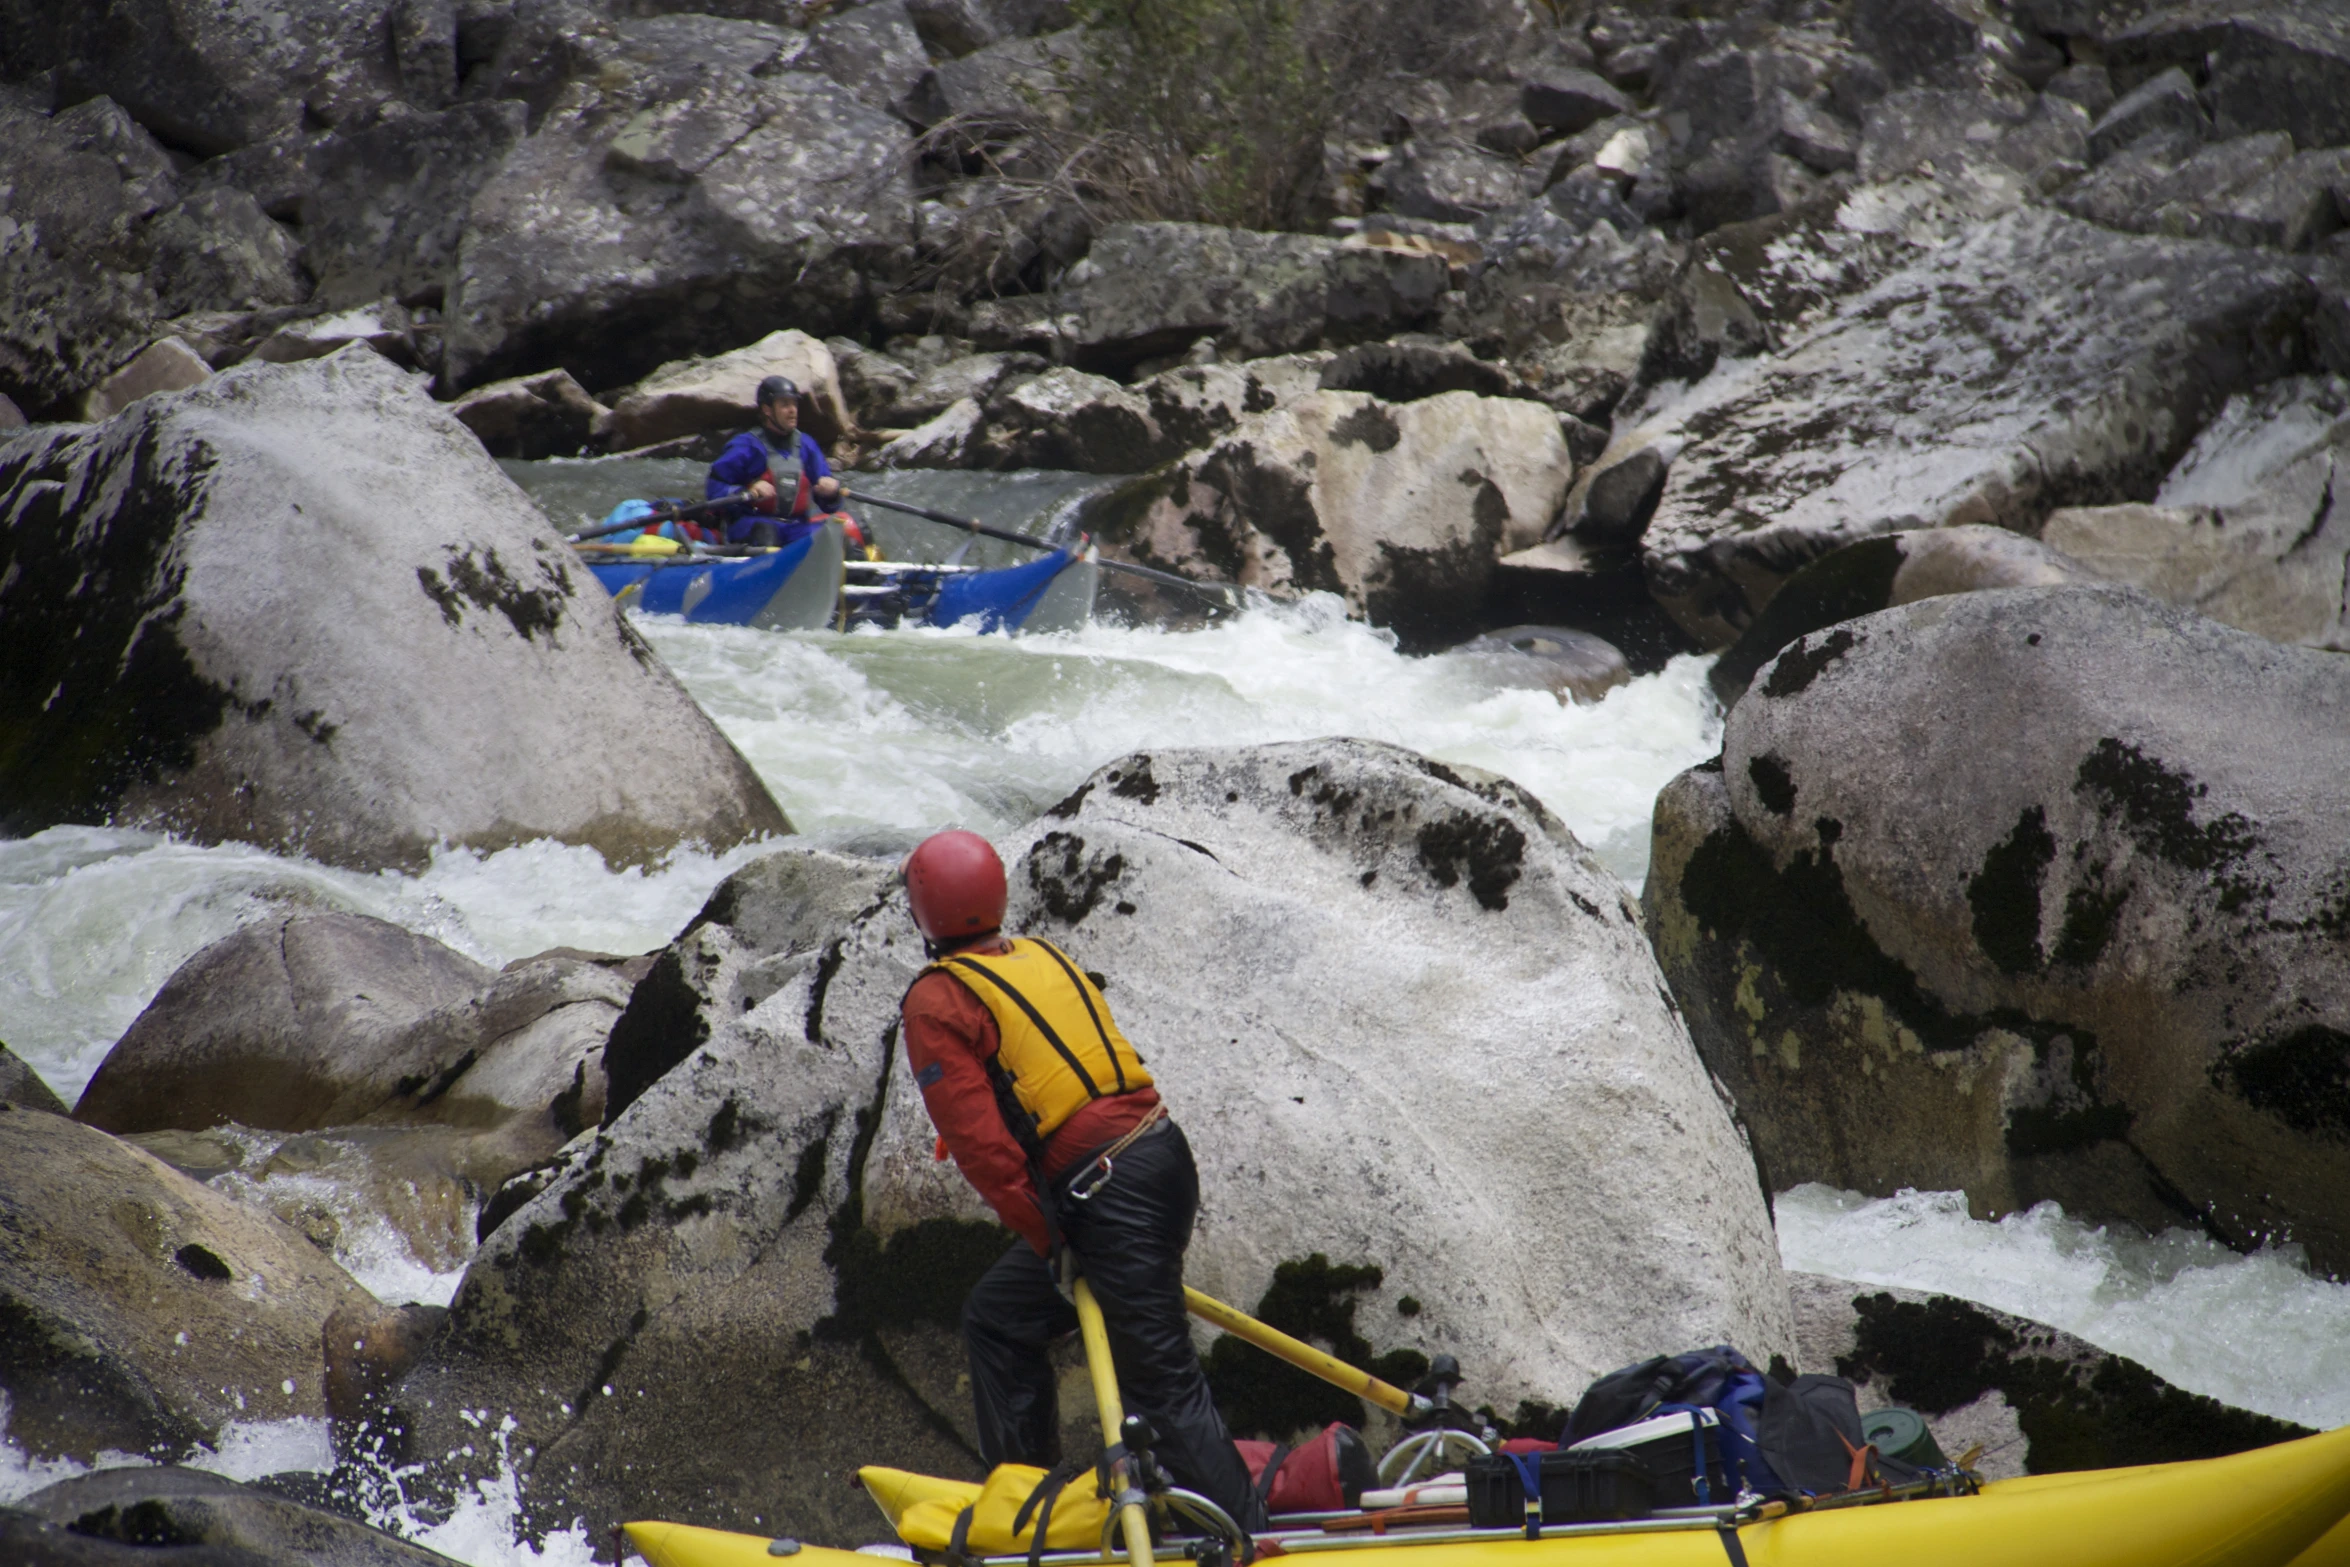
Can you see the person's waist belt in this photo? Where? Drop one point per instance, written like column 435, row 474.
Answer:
column 1092, row 1175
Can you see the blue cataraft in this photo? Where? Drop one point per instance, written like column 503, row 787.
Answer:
column 810, row 584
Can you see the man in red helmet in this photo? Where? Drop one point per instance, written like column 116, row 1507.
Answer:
column 1052, row 1115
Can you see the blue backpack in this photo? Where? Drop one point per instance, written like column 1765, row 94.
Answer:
column 1719, row 1379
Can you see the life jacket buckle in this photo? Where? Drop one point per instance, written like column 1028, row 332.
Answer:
column 1081, row 1189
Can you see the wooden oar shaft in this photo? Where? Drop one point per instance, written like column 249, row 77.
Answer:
column 1302, row 1355
column 1132, row 1521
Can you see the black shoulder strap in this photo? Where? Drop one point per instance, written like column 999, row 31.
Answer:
column 965, row 965
column 1085, row 994
column 958, row 1543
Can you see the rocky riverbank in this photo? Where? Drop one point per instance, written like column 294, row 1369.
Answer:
column 1973, row 377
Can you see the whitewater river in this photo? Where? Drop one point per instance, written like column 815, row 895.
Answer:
column 872, row 740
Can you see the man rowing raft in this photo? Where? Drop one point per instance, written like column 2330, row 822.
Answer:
column 776, row 460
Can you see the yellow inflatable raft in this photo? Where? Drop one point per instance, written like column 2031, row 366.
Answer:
column 2281, row 1506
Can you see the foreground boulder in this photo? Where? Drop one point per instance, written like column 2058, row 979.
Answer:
column 1913, row 403
column 1403, row 508
column 2248, row 528
column 140, row 1311
column 762, row 1243
column 2095, row 956
column 299, row 607
column 171, row 1506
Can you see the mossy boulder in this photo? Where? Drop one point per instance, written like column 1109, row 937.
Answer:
column 2031, row 893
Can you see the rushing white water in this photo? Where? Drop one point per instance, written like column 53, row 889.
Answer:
column 869, row 740
column 2258, row 1332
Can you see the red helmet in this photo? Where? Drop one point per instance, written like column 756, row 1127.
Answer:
column 956, row 885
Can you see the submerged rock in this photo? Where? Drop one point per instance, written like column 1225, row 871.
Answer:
column 326, row 623
column 1403, row 508
column 1572, row 665
column 763, row 1243
column 2091, row 954
column 140, row 1311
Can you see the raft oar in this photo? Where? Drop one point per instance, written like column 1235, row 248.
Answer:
column 1305, row 1357
column 1132, row 1521
column 1230, row 595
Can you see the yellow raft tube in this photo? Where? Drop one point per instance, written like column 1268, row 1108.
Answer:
column 2281, row 1506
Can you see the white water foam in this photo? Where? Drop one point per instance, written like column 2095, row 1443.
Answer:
column 2259, row 1331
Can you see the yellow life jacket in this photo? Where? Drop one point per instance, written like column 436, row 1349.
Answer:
column 1061, row 1048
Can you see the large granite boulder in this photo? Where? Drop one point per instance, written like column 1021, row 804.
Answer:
column 299, row 606
column 672, row 203
column 99, row 241
column 140, row 1311
column 2033, row 362
column 2033, row 893
column 719, row 395
column 386, row 206
column 1148, row 290
column 2267, row 65
column 543, row 415
column 286, row 1024
column 21, row 1086
column 2248, row 528
column 762, row 1242
column 213, row 76
column 173, row 1508
column 334, row 1020
column 1403, row 508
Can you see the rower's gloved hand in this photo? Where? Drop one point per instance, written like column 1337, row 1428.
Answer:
column 828, row 490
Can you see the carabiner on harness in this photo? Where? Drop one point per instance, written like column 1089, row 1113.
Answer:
column 1082, row 1189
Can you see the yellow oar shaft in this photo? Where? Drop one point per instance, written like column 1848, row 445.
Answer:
column 1298, row 1353
column 1131, row 1519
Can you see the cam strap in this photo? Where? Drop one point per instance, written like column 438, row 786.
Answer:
column 959, row 1542
column 1529, row 1468
column 1860, row 1461
column 1092, row 1089
column 1729, row 1538
column 1280, row 1456
column 1040, row 1502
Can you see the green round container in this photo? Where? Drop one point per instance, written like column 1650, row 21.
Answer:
column 1899, row 1433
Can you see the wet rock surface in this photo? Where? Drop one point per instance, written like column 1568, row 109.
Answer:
column 327, row 623
column 174, row 1507
column 761, row 1237
column 2094, row 958
column 140, row 1311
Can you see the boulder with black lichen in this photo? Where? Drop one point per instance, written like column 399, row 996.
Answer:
column 2090, row 954
column 762, row 1241
column 327, row 624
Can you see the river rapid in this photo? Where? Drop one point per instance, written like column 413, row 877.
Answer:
column 873, row 739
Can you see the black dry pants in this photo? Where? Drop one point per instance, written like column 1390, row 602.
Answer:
column 1129, row 1238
